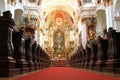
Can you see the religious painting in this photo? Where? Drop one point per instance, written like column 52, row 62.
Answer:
column 59, row 43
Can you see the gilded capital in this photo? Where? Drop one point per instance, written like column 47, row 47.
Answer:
column 108, row 2
column 83, row 20
column 111, row 2
column 9, row 1
column 12, row 2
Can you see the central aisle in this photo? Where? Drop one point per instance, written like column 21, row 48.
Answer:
column 64, row 73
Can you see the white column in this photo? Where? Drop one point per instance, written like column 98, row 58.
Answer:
column 99, row 26
column 109, row 16
column 25, row 2
column 101, row 1
column 84, row 35
column 41, row 39
column 36, row 33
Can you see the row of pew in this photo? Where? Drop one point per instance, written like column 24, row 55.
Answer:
column 101, row 55
column 19, row 54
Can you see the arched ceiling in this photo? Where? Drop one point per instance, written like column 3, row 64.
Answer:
column 49, row 6
column 69, row 6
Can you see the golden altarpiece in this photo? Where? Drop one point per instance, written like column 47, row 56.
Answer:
column 59, row 38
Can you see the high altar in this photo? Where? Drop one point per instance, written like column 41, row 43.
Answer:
column 58, row 40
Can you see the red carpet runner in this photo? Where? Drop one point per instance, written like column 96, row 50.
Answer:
column 64, row 73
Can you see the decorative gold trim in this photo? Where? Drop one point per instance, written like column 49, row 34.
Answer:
column 12, row 2
column 9, row 1
column 111, row 2
column 108, row 2
column 83, row 20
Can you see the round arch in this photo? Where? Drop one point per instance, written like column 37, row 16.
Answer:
column 55, row 5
